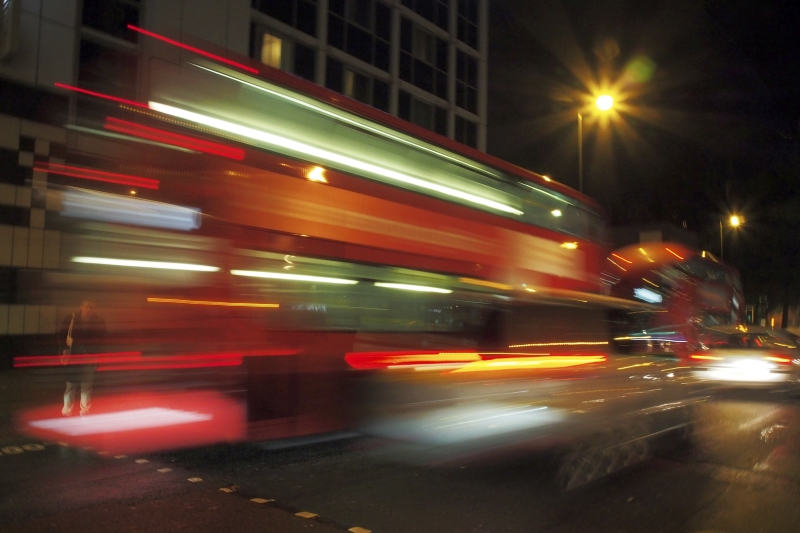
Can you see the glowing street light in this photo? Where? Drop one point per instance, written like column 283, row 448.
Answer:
column 604, row 103
column 734, row 221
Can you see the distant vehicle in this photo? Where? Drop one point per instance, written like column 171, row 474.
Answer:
column 747, row 355
column 693, row 289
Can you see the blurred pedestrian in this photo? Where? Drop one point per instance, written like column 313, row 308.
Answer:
column 82, row 332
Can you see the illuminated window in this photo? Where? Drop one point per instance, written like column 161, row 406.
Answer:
column 271, row 50
column 281, row 53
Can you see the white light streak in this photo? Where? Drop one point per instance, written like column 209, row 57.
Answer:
column 144, row 264
column 416, row 288
column 292, row 277
column 135, row 419
column 320, row 154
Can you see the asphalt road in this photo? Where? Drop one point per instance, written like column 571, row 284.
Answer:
column 740, row 473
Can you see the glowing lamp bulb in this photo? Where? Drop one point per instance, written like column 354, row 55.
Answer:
column 735, row 221
column 605, row 102
column 317, row 174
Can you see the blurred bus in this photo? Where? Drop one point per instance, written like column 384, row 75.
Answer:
column 259, row 227
column 693, row 288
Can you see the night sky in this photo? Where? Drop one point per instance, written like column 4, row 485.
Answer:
column 706, row 122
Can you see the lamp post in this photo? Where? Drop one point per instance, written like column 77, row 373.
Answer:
column 604, row 103
column 735, row 221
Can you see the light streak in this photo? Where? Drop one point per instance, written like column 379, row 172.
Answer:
column 134, row 419
column 210, row 303
column 616, row 265
column 415, row 288
column 144, row 264
column 193, row 49
column 101, row 95
column 96, row 175
column 673, row 253
column 347, row 120
column 484, row 283
column 321, row 154
column 292, row 277
column 175, row 139
column 570, row 343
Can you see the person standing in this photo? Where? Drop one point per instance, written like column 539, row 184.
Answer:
column 82, row 332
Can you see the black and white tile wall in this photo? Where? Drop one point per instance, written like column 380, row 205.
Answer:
column 25, row 241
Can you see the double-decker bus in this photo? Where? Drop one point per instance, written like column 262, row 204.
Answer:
column 694, row 290
column 260, row 227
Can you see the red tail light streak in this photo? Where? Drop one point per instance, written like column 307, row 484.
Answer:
column 97, row 175
column 101, row 95
column 193, row 49
column 166, row 137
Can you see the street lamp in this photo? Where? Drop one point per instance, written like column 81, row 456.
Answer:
column 603, row 102
column 734, row 221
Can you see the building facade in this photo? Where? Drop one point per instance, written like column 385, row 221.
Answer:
column 421, row 60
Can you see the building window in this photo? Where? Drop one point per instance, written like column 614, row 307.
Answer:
column 468, row 22
column 271, row 50
column 281, row 53
column 423, row 59
column 357, row 85
column 466, row 132
column 436, row 11
column 112, row 17
column 422, row 113
column 361, row 28
column 300, row 14
column 466, row 81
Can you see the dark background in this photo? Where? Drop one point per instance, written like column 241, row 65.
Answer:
column 705, row 124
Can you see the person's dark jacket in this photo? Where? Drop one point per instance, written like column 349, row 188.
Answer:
column 88, row 336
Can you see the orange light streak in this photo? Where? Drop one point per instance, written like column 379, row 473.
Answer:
column 531, row 363
column 707, row 357
column 212, row 303
column 673, row 253
column 620, row 257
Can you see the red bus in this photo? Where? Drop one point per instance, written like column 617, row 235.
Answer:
column 252, row 225
column 694, row 289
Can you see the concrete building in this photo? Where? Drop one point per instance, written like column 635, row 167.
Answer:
column 422, row 60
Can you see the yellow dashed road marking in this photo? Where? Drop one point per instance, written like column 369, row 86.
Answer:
column 164, row 470
column 305, row 514
column 359, row 530
column 195, row 479
column 142, row 461
column 260, row 500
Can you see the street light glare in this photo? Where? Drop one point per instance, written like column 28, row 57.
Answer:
column 735, row 221
column 605, row 102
